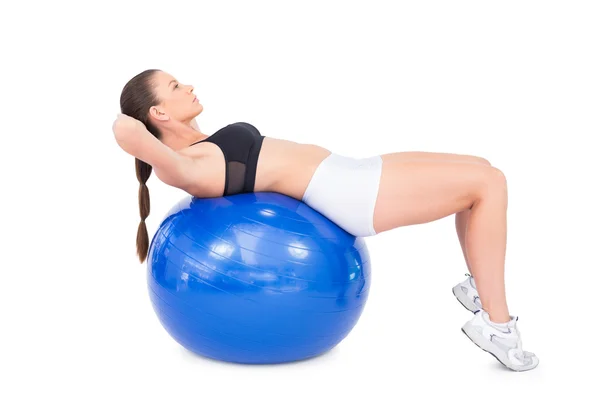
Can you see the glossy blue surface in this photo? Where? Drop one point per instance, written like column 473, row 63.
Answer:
column 256, row 278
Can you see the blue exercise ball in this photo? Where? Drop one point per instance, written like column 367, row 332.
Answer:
column 256, row 278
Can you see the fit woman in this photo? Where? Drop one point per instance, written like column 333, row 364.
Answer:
column 363, row 196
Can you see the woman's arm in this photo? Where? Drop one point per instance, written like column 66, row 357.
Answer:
column 168, row 165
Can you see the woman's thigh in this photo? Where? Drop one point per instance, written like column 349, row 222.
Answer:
column 445, row 157
column 416, row 192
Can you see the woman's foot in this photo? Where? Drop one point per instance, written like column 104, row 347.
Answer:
column 466, row 293
column 503, row 341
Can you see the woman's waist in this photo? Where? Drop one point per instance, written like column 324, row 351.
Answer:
column 287, row 167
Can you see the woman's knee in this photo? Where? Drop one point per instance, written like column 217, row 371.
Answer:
column 481, row 160
column 490, row 181
column 498, row 176
column 495, row 181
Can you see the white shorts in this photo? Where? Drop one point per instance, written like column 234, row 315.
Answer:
column 344, row 190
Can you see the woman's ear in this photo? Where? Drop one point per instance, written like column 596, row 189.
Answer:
column 156, row 113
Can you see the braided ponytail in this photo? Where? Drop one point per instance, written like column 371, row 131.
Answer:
column 136, row 99
column 143, row 171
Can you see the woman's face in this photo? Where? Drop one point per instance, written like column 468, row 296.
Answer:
column 176, row 99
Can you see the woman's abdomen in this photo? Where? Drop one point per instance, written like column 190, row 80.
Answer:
column 286, row 167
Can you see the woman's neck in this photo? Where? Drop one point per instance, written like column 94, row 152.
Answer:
column 185, row 137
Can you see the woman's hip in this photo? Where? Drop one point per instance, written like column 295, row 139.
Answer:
column 345, row 189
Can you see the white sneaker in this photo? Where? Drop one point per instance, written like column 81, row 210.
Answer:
column 467, row 294
column 501, row 341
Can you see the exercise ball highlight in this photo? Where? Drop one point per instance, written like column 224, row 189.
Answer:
column 256, row 278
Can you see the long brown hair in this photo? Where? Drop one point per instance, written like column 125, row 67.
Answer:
column 136, row 99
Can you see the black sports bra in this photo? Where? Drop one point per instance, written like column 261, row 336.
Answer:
column 240, row 143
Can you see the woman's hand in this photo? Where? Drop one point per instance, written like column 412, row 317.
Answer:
column 125, row 122
column 127, row 131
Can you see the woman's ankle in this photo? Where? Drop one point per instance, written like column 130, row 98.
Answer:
column 500, row 316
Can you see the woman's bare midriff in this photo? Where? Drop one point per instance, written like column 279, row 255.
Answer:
column 284, row 167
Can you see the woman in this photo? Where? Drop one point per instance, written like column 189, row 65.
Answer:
column 158, row 128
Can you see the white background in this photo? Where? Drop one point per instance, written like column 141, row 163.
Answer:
column 516, row 82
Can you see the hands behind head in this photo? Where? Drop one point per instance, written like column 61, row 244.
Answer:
column 170, row 125
column 126, row 122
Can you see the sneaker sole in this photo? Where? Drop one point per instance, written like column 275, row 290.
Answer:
column 459, row 296
column 487, row 348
